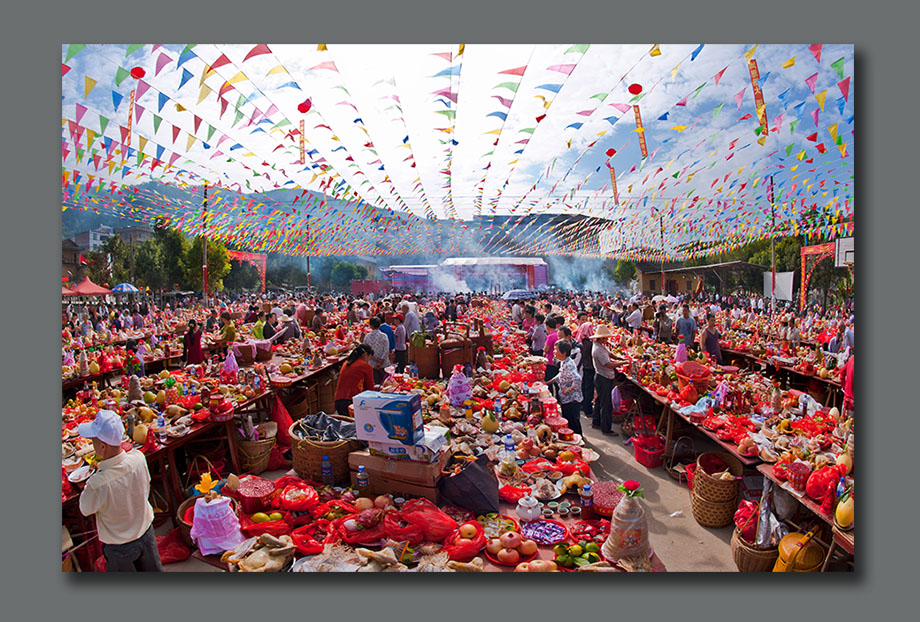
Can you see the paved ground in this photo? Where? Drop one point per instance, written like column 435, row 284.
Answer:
column 681, row 544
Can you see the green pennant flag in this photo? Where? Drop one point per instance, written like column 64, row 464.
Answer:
column 73, row 49
column 189, row 47
column 636, row 98
column 716, row 112
column 511, row 86
column 120, row 74
column 789, row 149
column 837, row 66
column 579, row 48
column 103, row 123
column 758, row 130
column 281, row 123
column 698, row 89
column 239, row 115
column 600, row 96
column 528, row 130
column 792, row 126
column 134, row 47
column 140, row 157
column 156, row 123
column 211, row 130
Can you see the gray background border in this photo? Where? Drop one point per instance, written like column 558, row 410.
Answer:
column 886, row 92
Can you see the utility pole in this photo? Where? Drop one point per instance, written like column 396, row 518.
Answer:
column 204, row 249
column 772, row 250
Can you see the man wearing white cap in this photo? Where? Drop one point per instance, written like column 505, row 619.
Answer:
column 605, row 367
column 118, row 496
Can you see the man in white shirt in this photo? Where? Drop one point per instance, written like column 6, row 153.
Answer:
column 412, row 322
column 380, row 344
column 516, row 314
column 634, row 319
column 117, row 494
column 760, row 305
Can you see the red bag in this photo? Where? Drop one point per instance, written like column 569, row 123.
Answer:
column 538, row 464
column 276, row 528
column 689, row 394
column 693, row 370
column 398, row 528
column 171, row 548
column 298, row 497
column 336, row 505
column 310, row 539
column 746, row 521
column 820, row 481
column 512, row 494
column 691, row 469
column 283, row 419
column 435, row 524
column 465, row 552
column 367, row 537
column 277, row 461
column 568, row 468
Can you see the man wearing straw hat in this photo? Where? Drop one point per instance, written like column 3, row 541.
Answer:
column 605, row 367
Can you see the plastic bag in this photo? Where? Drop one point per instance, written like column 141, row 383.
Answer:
column 398, row 528
column 298, row 497
column 468, row 550
column 277, row 460
column 311, row 539
column 513, row 494
column 746, row 521
column 334, row 509
column 628, row 531
column 475, row 488
column 821, row 480
column 680, row 356
column 171, row 548
column 616, row 399
column 215, row 527
column 435, row 524
column 281, row 416
column 367, row 537
column 458, row 388
column 274, row 527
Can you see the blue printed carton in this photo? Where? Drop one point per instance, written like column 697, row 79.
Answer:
column 388, row 417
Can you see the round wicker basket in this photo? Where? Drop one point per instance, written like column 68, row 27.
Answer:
column 307, row 456
column 715, row 514
column 749, row 559
column 254, row 456
column 713, row 489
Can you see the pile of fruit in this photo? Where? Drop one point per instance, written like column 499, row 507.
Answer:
column 510, row 548
column 582, row 553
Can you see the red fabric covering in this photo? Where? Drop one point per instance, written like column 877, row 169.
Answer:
column 87, row 288
column 281, row 416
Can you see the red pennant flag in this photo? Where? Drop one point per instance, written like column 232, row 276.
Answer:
column 197, row 123
column 220, row 62
column 813, row 137
column 540, row 118
column 518, row 71
column 816, row 50
column 175, row 133
column 821, row 148
column 259, row 49
column 64, row 69
column 844, row 86
column 719, row 76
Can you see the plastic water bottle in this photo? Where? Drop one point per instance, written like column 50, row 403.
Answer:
column 328, row 478
column 497, row 407
column 161, row 424
column 509, row 444
column 363, row 480
column 587, row 502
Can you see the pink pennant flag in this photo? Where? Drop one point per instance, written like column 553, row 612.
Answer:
column 778, row 122
column 81, row 110
column 259, row 49
column 517, row 71
column 327, row 65
column 138, row 112
column 566, row 69
column 444, row 55
column 162, row 61
column 816, row 50
column 587, row 113
column 622, row 107
column 682, row 102
column 446, row 93
column 814, row 114
column 271, row 110
column 719, row 76
column 811, row 81
column 141, row 88
column 505, row 102
column 844, row 86
column 739, row 97
column 173, row 158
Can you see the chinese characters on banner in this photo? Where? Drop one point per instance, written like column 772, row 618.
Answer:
column 641, row 131
column 613, row 181
column 758, row 96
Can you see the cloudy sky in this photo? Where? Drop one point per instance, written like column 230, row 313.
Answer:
column 494, row 129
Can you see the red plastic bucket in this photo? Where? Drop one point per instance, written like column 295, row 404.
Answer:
column 649, row 450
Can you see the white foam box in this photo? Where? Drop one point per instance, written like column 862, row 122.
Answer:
column 428, row 450
column 388, row 417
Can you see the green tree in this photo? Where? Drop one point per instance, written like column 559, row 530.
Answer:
column 109, row 265
column 148, row 266
column 242, row 276
column 624, row 273
column 343, row 273
column 174, row 248
column 218, row 265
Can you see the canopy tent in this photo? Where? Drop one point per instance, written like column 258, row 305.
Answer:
column 87, row 288
column 684, row 153
column 65, row 291
column 518, row 294
column 125, row 288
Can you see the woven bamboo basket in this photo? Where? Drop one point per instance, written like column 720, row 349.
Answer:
column 715, row 514
column 299, row 410
column 185, row 529
column 749, row 559
column 245, row 357
column 263, row 355
column 716, row 490
column 326, row 389
column 254, row 456
column 307, row 456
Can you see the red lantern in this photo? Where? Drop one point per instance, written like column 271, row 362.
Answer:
column 635, row 89
column 138, row 73
column 304, row 107
column 611, row 152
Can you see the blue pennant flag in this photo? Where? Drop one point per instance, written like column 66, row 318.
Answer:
column 161, row 101
column 663, row 117
column 555, row 88
column 116, row 99
column 186, row 76
column 611, row 120
column 696, row 53
column 499, row 114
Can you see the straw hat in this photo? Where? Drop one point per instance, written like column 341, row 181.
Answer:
column 602, row 332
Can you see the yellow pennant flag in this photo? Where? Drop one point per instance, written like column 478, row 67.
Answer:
column 674, row 71
column 820, row 97
column 321, row 47
column 762, row 141
column 278, row 69
column 515, row 161
column 792, row 168
column 462, row 48
column 141, row 143
column 190, row 142
column 655, row 51
column 801, row 155
column 205, row 91
column 111, row 166
column 843, row 149
column 88, row 84
column 679, row 128
column 789, row 63
column 180, row 108
column 833, row 131
column 750, row 53
column 237, row 78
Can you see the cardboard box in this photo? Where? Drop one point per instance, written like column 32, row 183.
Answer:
column 388, row 417
column 416, row 473
column 428, row 450
column 381, row 485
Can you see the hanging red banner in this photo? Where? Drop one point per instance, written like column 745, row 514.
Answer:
column 758, row 96
column 818, row 252
column 641, row 130
column 613, row 180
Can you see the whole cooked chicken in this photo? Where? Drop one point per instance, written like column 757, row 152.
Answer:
column 272, row 554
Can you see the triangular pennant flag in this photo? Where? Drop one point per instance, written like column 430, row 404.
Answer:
column 220, row 62
column 138, row 112
column 88, row 85
column 189, row 142
column 844, row 86
column 820, row 97
column 833, row 131
column 73, row 49
column 175, row 133
column 579, row 48
column 134, row 47
column 816, row 50
column 566, row 69
column 511, row 86
column 841, row 104
column 682, row 102
column 257, row 50
column 80, row 111
column 156, row 123
column 103, row 123
column 837, row 66
column 120, row 74
column 116, row 99
column 696, row 53
column 750, row 53
column 811, row 81
column 812, row 137
column 814, row 115
column 739, row 97
column 789, row 63
column 517, row 71
column 655, row 51
column 716, row 112
column 718, row 76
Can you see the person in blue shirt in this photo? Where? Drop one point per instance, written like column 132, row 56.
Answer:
column 387, row 330
column 686, row 327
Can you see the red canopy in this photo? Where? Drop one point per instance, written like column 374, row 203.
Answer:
column 87, row 288
column 65, row 291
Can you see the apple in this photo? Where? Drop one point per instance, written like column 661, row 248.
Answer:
column 522, row 567
column 539, row 565
column 527, row 547
column 508, row 556
column 494, row 546
column 511, row 539
column 468, row 531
